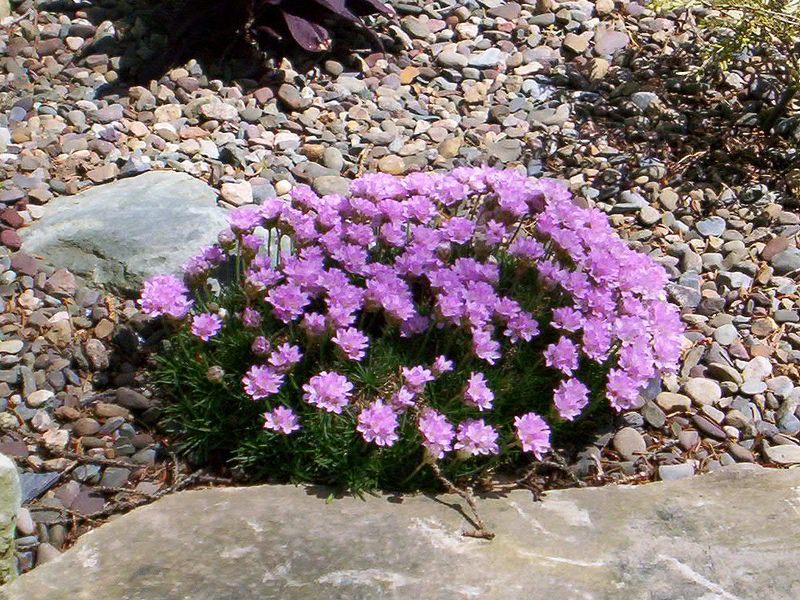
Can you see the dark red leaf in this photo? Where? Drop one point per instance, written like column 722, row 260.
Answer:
column 310, row 36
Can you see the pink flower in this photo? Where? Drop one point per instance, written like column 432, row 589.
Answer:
column 284, row 357
column 206, row 325
column 571, row 397
column 562, row 356
column 329, row 391
column 533, row 433
column 378, row 423
column 261, row 382
column 251, row 318
column 475, row 437
column 437, row 432
column 351, row 342
column 478, row 393
column 282, row 419
column 403, row 399
column 416, row 378
column 165, row 295
column 441, row 365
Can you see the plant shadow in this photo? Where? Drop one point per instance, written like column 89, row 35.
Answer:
column 151, row 37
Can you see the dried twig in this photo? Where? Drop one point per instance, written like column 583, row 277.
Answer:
column 482, row 532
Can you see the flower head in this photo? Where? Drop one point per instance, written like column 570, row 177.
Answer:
column 437, row 432
column 378, row 423
column 206, row 325
column 329, row 391
column 534, row 434
column 416, row 378
column 351, row 342
column 281, row 419
column 165, row 295
column 284, row 357
column 475, row 437
column 571, row 397
column 261, row 381
column 478, row 393
column 562, row 355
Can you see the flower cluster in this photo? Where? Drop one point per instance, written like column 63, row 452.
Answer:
column 426, row 256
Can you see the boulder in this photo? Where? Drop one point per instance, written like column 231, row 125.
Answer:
column 730, row 534
column 116, row 235
column 10, row 500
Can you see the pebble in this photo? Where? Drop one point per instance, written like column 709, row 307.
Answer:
column 673, row 472
column 629, row 443
column 702, row 391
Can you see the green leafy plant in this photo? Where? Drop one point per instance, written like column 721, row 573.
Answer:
column 737, row 27
column 418, row 332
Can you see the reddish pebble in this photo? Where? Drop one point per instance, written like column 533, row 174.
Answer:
column 11, row 239
column 11, row 218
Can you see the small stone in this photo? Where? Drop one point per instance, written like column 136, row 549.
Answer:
column 673, row 472
column 703, row 391
column 785, row 454
column 39, row 398
column 11, row 346
column 25, row 524
column 629, row 443
column 654, row 416
column 713, row 226
column 115, row 477
column 787, row 261
column 105, row 410
column 132, row 399
column 290, row 96
column 394, row 165
column 649, row 215
column 97, row 354
column 757, row 369
column 726, row 334
column 86, row 426
column 238, row 194
column 673, row 402
column 45, row 553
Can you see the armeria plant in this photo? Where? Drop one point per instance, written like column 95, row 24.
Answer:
column 448, row 321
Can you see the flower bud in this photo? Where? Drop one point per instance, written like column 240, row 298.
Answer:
column 215, row 374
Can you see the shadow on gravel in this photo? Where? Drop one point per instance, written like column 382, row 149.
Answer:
column 151, row 37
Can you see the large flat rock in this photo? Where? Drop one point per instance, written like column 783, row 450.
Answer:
column 118, row 234
column 730, row 535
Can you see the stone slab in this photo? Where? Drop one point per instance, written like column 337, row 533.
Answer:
column 10, row 501
column 729, row 535
column 116, row 235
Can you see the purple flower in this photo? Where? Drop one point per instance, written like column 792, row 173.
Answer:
column 288, row 301
column 251, row 317
column 314, row 325
column 378, row 423
column 437, row 432
column 534, row 434
column 165, row 295
column 571, row 397
column 329, row 391
column 568, row 319
column 351, row 342
column 284, row 357
column 441, row 365
column 416, row 378
column 261, row 381
column 281, row 419
column 244, row 219
column 562, row 355
column 478, row 393
column 403, row 399
column 206, row 325
column 260, row 346
column 622, row 390
column 475, row 437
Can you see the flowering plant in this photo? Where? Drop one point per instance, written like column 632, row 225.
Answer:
column 456, row 320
